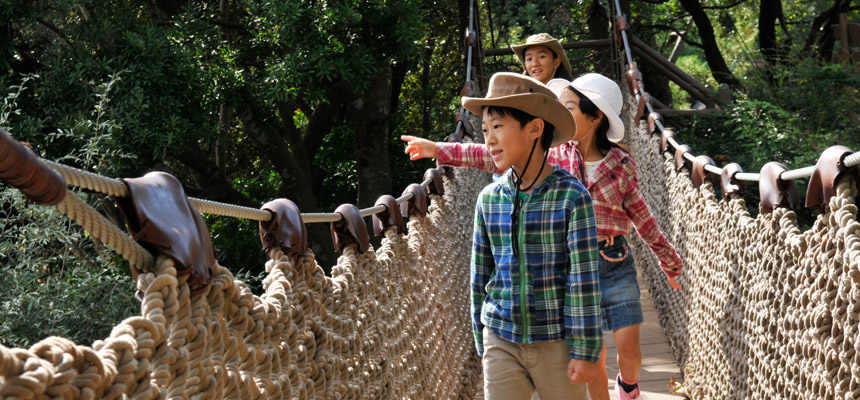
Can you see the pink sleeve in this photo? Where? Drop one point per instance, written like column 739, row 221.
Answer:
column 469, row 155
column 647, row 228
column 566, row 156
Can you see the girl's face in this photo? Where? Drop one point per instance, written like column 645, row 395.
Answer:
column 585, row 124
column 540, row 63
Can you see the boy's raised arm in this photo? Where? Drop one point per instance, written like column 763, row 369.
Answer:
column 468, row 155
column 582, row 300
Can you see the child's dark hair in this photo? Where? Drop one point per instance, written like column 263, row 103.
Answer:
column 587, row 107
column 523, row 118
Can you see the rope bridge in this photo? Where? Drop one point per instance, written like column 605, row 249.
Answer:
column 388, row 323
column 766, row 311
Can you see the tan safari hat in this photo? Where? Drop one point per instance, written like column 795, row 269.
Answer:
column 542, row 39
column 529, row 95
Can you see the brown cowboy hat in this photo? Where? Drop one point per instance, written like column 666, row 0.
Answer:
column 542, row 39
column 526, row 94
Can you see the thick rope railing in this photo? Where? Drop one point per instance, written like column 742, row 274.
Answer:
column 766, row 311
column 388, row 323
column 115, row 187
column 101, row 228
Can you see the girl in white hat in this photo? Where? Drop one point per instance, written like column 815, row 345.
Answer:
column 609, row 173
column 610, row 176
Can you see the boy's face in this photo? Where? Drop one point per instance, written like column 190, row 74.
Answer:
column 508, row 143
column 540, row 63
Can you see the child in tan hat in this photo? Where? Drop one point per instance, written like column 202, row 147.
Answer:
column 543, row 58
column 534, row 283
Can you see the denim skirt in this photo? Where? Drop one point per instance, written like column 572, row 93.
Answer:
column 619, row 290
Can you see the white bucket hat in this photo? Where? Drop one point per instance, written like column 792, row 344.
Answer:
column 604, row 93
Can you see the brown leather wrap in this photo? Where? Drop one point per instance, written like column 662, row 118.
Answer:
column 350, row 229
column 417, row 205
column 286, row 230
column 468, row 90
column 436, row 186
column 388, row 218
column 469, row 38
column 652, row 121
column 828, row 170
column 680, row 161
column 664, row 139
column 634, row 77
column 162, row 220
column 467, row 125
column 620, row 25
column 698, row 174
column 774, row 191
column 727, row 179
column 23, row 170
column 644, row 98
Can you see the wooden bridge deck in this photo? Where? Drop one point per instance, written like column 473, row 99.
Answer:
column 658, row 364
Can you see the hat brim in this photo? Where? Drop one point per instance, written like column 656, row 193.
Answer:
column 554, row 45
column 534, row 104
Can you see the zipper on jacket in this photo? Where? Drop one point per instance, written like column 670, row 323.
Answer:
column 523, row 279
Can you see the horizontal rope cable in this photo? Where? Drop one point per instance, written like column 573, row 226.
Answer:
column 744, row 176
column 115, row 187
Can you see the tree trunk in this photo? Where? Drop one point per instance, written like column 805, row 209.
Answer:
column 713, row 56
column 426, row 98
column 769, row 10
column 370, row 115
column 598, row 28
column 656, row 83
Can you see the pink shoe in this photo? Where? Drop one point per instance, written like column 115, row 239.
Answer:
column 623, row 395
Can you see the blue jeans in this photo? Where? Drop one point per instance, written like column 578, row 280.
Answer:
column 619, row 290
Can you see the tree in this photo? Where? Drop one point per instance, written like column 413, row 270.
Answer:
column 713, row 55
column 239, row 99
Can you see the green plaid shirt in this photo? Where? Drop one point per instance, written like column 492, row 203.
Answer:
column 548, row 288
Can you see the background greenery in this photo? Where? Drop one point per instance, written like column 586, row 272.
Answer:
column 246, row 101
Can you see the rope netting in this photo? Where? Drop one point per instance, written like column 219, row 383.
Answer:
column 766, row 311
column 388, row 323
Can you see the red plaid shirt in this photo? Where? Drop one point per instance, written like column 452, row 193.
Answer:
column 614, row 190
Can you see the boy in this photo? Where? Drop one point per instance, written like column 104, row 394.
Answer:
column 535, row 293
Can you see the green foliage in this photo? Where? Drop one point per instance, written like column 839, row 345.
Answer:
column 56, row 281
column 810, row 108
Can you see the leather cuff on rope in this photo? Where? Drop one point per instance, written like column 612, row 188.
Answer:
column 285, row 230
column 163, row 221
column 829, row 169
column 775, row 192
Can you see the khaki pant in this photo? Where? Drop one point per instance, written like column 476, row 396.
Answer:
column 515, row 371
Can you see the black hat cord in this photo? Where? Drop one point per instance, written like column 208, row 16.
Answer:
column 517, row 181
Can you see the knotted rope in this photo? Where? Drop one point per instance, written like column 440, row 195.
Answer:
column 389, row 323
column 767, row 311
